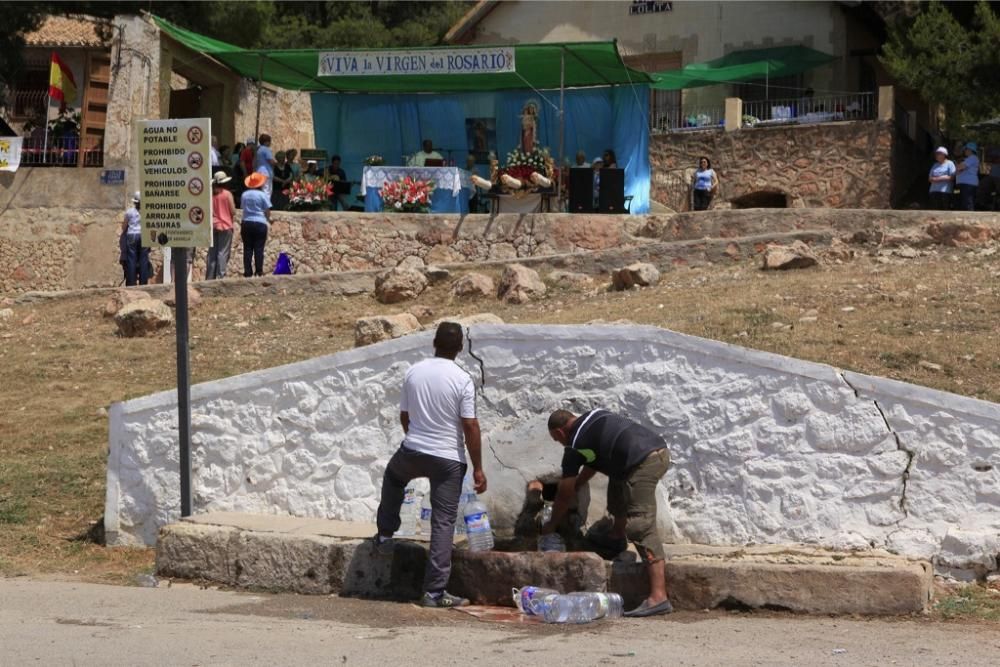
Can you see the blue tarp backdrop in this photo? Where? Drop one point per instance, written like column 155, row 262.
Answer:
column 356, row 126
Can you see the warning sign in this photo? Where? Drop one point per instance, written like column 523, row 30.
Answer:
column 176, row 208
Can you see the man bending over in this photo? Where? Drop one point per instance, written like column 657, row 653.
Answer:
column 634, row 459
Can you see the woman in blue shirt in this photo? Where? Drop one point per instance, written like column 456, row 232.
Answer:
column 256, row 207
column 941, row 178
column 967, row 178
column 704, row 185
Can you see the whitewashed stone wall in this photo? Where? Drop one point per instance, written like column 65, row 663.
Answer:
column 767, row 449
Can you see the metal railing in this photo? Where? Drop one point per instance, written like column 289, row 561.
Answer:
column 62, row 152
column 855, row 106
column 676, row 119
column 28, row 104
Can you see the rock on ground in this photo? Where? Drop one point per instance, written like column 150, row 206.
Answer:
column 570, row 279
column 796, row 256
column 399, row 285
column 411, row 262
column 368, row 330
column 6, row 313
column 423, row 313
column 473, row 284
column 194, row 299
column 639, row 274
column 519, row 283
column 143, row 317
column 120, row 298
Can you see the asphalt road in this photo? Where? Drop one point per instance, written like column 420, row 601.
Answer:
column 60, row 623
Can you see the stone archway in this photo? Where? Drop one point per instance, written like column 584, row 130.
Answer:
column 761, row 199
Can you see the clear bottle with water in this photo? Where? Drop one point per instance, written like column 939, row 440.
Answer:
column 409, row 513
column 425, row 515
column 524, row 596
column 552, row 541
column 577, row 607
column 468, row 495
column 477, row 526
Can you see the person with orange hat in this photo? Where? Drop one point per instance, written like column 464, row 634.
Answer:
column 256, row 221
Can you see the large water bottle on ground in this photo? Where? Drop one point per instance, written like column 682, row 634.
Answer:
column 409, row 513
column 477, row 526
column 577, row 607
column 468, row 495
column 425, row 515
column 552, row 541
column 524, row 596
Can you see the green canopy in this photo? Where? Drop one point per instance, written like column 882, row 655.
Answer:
column 537, row 66
column 742, row 66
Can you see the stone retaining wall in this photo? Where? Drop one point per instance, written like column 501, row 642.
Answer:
column 838, row 165
column 767, row 449
column 46, row 249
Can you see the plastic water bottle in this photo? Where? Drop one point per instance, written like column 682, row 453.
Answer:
column 577, row 607
column 468, row 495
column 408, row 513
column 425, row 515
column 552, row 541
column 477, row 525
column 524, row 596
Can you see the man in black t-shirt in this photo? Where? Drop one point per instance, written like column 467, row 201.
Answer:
column 634, row 459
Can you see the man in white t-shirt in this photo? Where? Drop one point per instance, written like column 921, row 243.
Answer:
column 437, row 409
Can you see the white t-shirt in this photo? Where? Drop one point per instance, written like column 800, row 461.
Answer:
column 437, row 395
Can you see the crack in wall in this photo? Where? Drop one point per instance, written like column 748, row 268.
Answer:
column 899, row 446
column 482, row 373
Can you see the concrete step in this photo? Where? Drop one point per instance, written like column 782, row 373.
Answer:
column 317, row 556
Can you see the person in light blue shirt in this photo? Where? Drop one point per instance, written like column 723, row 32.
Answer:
column 256, row 207
column 133, row 256
column 967, row 178
column 941, row 178
column 264, row 162
column 704, row 185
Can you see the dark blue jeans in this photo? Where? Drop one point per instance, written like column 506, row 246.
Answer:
column 254, row 236
column 136, row 260
column 966, row 197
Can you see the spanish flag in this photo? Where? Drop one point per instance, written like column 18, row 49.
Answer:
column 62, row 85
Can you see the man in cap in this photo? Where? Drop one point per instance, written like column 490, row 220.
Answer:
column 437, row 409
column 133, row 256
column 634, row 459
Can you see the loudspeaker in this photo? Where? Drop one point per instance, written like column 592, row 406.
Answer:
column 611, row 198
column 581, row 190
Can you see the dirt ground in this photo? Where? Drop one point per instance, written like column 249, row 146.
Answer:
column 85, row 624
column 932, row 319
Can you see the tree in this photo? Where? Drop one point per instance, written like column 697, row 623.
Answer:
column 949, row 62
column 18, row 19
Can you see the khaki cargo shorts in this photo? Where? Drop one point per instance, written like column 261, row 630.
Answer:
column 635, row 498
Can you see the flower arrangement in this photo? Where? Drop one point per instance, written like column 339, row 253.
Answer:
column 308, row 195
column 374, row 161
column 526, row 169
column 407, row 195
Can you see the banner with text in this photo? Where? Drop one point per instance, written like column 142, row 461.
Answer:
column 10, row 153
column 489, row 60
column 175, row 177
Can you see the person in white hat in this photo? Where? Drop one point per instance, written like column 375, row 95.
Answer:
column 133, row 257
column 942, row 180
column 223, row 214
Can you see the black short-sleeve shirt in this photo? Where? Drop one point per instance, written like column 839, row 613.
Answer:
column 608, row 443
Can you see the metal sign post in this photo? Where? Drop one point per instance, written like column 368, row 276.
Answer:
column 176, row 184
column 183, row 377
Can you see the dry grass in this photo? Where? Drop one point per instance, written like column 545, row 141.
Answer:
column 58, row 370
